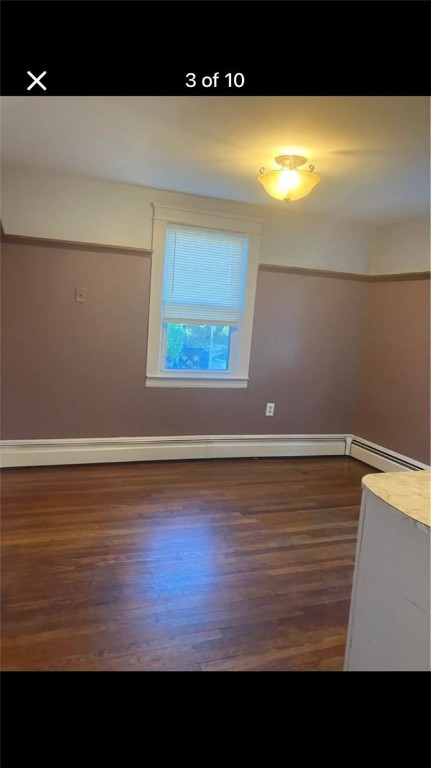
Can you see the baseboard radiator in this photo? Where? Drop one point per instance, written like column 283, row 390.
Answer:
column 381, row 458
column 31, row 453
column 34, row 453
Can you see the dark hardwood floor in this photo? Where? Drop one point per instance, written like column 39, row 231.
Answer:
column 235, row 564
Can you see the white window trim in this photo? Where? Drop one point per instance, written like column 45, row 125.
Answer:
column 164, row 215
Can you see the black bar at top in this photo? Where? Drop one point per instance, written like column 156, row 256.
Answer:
column 280, row 48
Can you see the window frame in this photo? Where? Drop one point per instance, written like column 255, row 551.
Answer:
column 237, row 375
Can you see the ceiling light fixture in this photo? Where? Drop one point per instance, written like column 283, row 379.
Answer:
column 287, row 182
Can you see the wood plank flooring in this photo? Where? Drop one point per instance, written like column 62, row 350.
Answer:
column 235, row 564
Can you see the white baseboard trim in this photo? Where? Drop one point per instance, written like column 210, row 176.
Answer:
column 381, row 458
column 34, row 453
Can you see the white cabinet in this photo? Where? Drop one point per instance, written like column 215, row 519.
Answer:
column 389, row 625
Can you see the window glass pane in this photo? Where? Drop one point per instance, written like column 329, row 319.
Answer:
column 193, row 347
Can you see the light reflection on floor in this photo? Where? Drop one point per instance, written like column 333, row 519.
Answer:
column 180, row 563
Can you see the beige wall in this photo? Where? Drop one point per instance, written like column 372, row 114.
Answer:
column 78, row 370
column 394, row 397
column 63, row 206
column 40, row 203
column 403, row 246
column 292, row 238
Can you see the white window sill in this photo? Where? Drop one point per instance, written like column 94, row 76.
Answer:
column 197, row 381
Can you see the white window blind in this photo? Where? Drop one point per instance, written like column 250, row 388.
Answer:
column 204, row 275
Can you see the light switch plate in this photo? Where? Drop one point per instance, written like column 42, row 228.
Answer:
column 80, row 294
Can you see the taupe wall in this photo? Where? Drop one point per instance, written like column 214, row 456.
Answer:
column 394, row 401
column 335, row 355
column 78, row 370
column 69, row 369
column 304, row 358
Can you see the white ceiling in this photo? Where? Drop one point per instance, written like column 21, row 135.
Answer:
column 372, row 153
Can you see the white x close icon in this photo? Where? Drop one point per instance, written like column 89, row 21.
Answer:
column 36, row 81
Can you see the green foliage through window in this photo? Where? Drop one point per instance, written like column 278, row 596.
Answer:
column 193, row 346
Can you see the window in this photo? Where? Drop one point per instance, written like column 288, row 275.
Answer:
column 203, row 288
column 202, row 298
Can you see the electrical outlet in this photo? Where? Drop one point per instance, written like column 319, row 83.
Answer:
column 270, row 409
column 80, row 295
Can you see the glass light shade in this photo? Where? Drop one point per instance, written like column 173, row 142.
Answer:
column 287, row 184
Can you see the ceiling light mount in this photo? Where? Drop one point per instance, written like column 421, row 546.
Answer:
column 290, row 161
column 288, row 182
